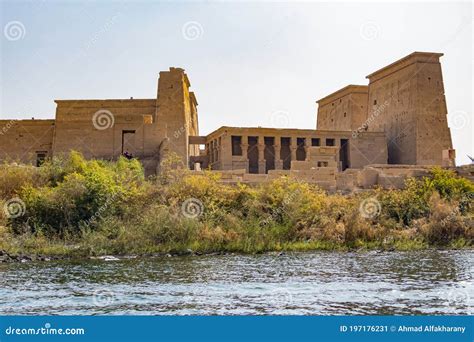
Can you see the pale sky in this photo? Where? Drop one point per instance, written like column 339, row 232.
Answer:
column 249, row 63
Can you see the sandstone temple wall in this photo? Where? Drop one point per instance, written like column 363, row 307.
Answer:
column 343, row 110
column 177, row 113
column 259, row 150
column 104, row 128
column 407, row 102
column 399, row 118
column 26, row 141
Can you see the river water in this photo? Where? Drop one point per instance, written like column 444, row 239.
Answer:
column 313, row 283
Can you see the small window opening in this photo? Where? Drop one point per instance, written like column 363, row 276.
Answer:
column 40, row 158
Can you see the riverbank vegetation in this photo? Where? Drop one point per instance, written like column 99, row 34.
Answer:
column 79, row 208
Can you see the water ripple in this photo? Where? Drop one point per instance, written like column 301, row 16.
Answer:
column 319, row 283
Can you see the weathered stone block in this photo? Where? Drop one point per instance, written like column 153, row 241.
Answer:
column 391, row 181
column 367, row 178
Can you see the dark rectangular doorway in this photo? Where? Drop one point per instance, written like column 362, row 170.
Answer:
column 269, row 153
column 128, row 142
column 285, row 153
column 300, row 150
column 252, row 154
column 344, row 154
column 40, row 157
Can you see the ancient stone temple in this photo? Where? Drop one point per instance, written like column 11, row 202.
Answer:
column 106, row 129
column 399, row 118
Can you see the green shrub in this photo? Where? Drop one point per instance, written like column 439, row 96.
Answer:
column 446, row 224
column 447, row 184
column 13, row 177
column 83, row 192
column 405, row 205
column 412, row 203
column 104, row 207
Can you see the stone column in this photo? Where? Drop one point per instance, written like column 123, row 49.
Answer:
column 293, row 148
column 225, row 152
column 245, row 147
column 210, row 153
column 337, row 143
column 278, row 161
column 215, row 156
column 261, row 155
column 307, row 145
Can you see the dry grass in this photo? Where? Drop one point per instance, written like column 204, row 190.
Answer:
column 147, row 216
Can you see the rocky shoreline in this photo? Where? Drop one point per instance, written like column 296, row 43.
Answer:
column 6, row 258
column 10, row 258
column 23, row 258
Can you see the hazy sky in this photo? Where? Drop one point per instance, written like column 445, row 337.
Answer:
column 250, row 64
